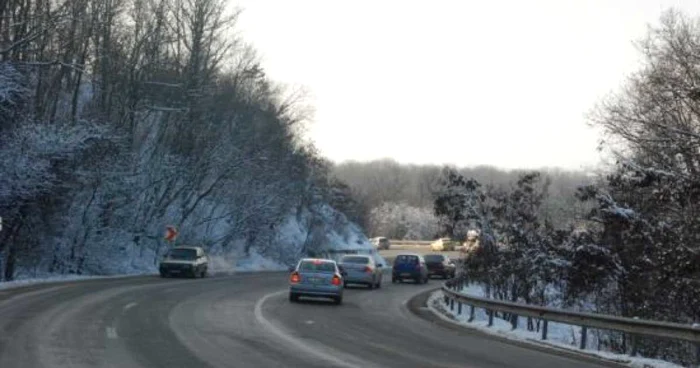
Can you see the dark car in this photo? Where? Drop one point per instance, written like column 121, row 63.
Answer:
column 440, row 265
column 409, row 266
column 184, row 261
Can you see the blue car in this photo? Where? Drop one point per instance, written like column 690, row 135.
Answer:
column 409, row 266
column 314, row 277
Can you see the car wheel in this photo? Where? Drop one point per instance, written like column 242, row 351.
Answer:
column 370, row 285
column 338, row 300
column 293, row 297
column 394, row 280
column 379, row 284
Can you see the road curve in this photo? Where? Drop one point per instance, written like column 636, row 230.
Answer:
column 235, row 321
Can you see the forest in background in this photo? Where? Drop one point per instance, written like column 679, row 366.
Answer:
column 397, row 200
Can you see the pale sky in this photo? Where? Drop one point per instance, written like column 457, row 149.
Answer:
column 502, row 83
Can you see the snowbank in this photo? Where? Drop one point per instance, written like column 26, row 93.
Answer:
column 52, row 280
column 558, row 335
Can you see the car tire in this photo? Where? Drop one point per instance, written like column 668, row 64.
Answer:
column 293, row 297
column 379, row 284
column 338, row 300
column 370, row 285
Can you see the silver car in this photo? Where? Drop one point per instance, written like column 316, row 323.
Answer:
column 314, row 277
column 361, row 269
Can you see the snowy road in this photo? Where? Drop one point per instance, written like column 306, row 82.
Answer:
column 235, row 321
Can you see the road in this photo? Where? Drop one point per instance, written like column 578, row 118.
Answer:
column 242, row 320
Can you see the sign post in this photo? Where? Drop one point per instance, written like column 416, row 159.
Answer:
column 170, row 233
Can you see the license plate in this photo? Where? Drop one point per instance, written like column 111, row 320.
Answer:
column 406, row 274
column 316, row 280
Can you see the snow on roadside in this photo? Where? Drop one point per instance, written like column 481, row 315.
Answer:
column 558, row 335
column 58, row 279
column 255, row 262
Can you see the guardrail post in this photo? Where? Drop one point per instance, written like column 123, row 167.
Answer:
column 490, row 317
column 584, row 335
column 634, row 343
column 514, row 320
column 452, row 304
column 471, row 313
column 544, row 329
column 459, row 307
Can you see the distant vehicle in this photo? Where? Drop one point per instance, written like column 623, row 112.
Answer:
column 444, row 245
column 361, row 269
column 440, row 265
column 315, row 277
column 184, row 261
column 383, row 243
column 409, row 266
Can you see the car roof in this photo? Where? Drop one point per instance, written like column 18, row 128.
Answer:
column 409, row 254
column 186, row 247
column 357, row 255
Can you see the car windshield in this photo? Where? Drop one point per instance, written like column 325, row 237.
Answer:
column 355, row 259
column 182, row 254
column 434, row 258
column 317, row 266
column 405, row 259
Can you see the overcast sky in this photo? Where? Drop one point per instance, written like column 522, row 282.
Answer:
column 503, row 83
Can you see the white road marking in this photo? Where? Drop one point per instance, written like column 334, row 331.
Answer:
column 112, row 333
column 309, row 322
column 291, row 340
column 129, row 306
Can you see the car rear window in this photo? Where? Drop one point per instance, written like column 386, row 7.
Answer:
column 434, row 258
column 406, row 259
column 317, row 266
column 182, row 254
column 355, row 259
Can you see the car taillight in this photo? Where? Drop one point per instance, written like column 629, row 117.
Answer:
column 295, row 278
column 418, row 266
column 336, row 280
column 368, row 269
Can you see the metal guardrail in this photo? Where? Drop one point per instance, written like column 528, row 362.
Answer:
column 410, row 242
column 634, row 326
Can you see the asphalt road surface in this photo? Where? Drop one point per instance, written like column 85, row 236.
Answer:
column 236, row 321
